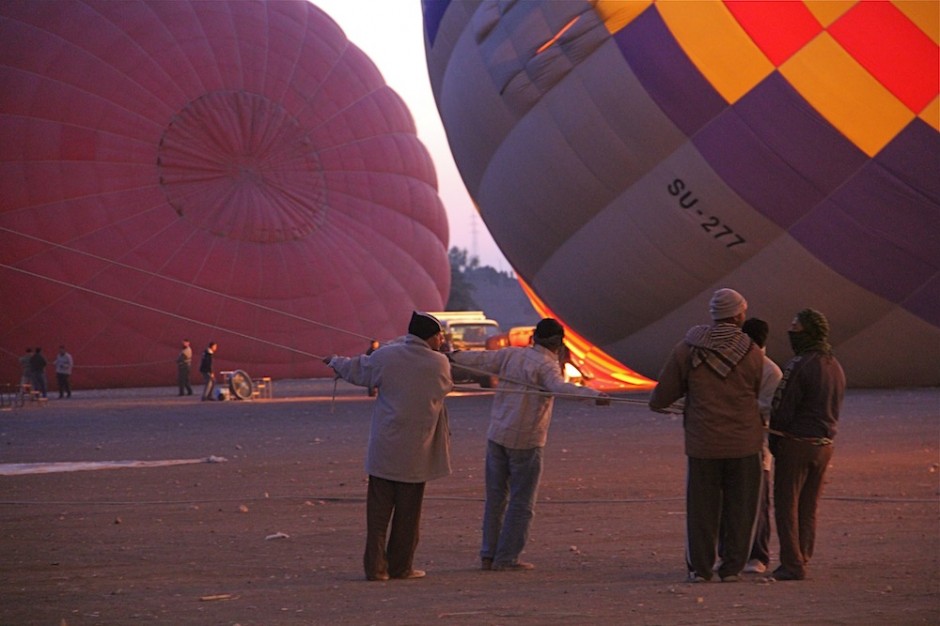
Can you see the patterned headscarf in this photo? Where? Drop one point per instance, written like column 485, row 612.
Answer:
column 720, row 347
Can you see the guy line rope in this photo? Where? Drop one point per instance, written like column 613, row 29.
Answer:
column 526, row 387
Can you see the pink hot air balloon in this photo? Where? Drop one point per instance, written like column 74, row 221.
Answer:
column 228, row 171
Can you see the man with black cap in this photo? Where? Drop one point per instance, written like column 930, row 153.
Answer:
column 718, row 369
column 758, row 330
column 409, row 442
column 802, row 426
column 519, row 421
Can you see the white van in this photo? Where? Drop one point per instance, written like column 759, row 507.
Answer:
column 467, row 330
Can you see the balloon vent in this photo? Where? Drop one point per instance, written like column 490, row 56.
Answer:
column 238, row 165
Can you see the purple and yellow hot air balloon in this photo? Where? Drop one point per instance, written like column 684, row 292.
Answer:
column 632, row 157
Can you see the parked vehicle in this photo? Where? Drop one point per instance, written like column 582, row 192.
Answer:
column 521, row 336
column 468, row 330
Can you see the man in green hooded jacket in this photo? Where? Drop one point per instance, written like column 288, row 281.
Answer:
column 803, row 423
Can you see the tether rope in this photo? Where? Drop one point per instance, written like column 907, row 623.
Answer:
column 169, row 279
column 160, row 311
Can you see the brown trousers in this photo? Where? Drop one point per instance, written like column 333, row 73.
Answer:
column 391, row 553
column 798, row 482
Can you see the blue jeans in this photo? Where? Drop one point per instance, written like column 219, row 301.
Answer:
column 513, row 476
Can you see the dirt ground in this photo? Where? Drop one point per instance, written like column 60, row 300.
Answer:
column 274, row 534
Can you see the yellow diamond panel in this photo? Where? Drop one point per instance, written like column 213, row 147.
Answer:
column 931, row 114
column 618, row 13
column 828, row 11
column 924, row 13
column 844, row 93
column 717, row 45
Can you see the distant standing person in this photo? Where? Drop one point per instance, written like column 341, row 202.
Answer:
column 718, row 370
column 63, row 372
column 518, row 431
column 26, row 367
column 205, row 368
column 409, row 442
column 802, row 426
column 37, row 365
column 184, row 364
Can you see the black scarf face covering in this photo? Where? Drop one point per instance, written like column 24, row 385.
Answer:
column 802, row 341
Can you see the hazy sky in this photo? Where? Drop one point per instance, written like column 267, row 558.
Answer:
column 390, row 32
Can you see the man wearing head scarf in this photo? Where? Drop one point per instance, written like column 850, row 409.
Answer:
column 409, row 441
column 718, row 370
column 802, row 425
column 519, row 421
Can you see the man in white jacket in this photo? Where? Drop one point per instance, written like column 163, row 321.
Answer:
column 519, row 420
column 409, row 442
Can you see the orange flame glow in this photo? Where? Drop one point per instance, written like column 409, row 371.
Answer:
column 605, row 372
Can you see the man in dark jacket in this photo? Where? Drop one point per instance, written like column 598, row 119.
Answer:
column 205, row 368
column 802, row 426
column 37, row 365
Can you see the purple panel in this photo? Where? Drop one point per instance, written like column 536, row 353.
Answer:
column 777, row 153
column 902, row 230
column 902, row 216
column 913, row 156
column 433, row 14
column 666, row 72
column 860, row 252
column 926, row 302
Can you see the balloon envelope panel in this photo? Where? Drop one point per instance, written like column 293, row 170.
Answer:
column 220, row 171
column 631, row 158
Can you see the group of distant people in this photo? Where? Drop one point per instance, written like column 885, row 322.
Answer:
column 33, row 372
column 733, row 396
column 184, row 362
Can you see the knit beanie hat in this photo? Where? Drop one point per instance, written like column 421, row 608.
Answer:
column 423, row 325
column 726, row 303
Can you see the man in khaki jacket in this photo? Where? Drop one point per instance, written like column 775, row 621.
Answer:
column 409, row 442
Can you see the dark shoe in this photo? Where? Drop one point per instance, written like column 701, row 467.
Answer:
column 518, row 566
column 380, row 577
column 486, row 563
column 697, row 578
column 781, row 573
column 415, row 573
